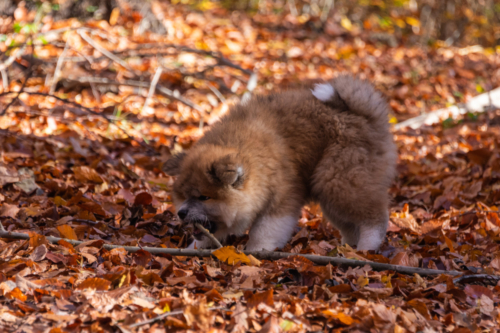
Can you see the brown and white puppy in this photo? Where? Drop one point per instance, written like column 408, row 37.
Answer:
column 256, row 167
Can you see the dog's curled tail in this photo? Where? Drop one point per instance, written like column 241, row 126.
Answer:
column 357, row 95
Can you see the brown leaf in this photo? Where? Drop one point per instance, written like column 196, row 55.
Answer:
column 39, row 253
column 142, row 258
column 126, row 195
column 94, row 283
column 383, row 318
column 94, row 208
column 480, row 156
column 478, row 291
column 7, row 176
column 7, row 210
column 67, row 232
column 486, row 305
column 421, row 307
column 341, row 289
column 265, row 297
column 84, row 174
column 143, row 198
column 401, row 259
column 199, row 316
column 271, row 326
column 405, row 220
column 431, row 225
column 37, row 239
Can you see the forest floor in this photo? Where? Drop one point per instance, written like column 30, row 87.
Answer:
column 107, row 103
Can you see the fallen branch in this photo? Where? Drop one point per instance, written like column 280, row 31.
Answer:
column 104, row 51
column 263, row 255
column 221, row 60
column 152, row 89
column 12, row 58
column 480, row 103
column 208, row 234
column 162, row 90
column 30, row 72
column 57, row 72
column 88, row 110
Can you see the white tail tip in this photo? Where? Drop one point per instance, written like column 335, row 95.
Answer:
column 324, row 91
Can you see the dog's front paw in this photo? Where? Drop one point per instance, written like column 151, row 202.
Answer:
column 198, row 243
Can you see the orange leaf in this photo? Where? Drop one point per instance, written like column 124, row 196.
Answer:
column 37, row 239
column 94, row 283
column 265, row 297
column 342, row 317
column 17, row 293
column 67, row 232
column 421, row 307
column 228, row 254
column 449, row 242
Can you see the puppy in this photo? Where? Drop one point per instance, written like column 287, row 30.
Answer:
column 256, row 167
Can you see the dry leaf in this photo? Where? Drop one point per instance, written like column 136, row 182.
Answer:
column 67, row 232
column 230, row 255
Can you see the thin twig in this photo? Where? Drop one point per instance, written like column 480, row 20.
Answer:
column 57, row 72
column 326, row 10
column 30, row 72
column 13, row 58
column 88, row 110
column 478, row 103
column 217, row 93
column 152, row 89
column 208, row 234
column 148, row 49
column 167, row 314
column 263, row 255
column 5, row 79
column 103, row 50
column 293, row 8
column 132, row 83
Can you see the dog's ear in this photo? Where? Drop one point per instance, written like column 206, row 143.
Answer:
column 228, row 170
column 173, row 166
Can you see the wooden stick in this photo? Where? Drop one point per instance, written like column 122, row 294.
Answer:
column 263, row 255
column 103, row 50
column 480, row 103
column 12, row 58
column 88, row 110
column 132, row 83
column 57, row 72
column 208, row 234
column 152, row 89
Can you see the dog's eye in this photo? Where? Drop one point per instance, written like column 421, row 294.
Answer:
column 203, row 198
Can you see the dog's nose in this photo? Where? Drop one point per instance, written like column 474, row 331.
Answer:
column 182, row 213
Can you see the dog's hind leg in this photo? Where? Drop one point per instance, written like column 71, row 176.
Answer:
column 352, row 192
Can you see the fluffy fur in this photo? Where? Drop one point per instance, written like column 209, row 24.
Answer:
column 266, row 158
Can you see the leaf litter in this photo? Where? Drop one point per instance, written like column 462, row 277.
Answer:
column 68, row 174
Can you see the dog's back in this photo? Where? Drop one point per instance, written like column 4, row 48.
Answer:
column 330, row 144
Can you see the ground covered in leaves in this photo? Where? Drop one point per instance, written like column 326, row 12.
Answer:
column 91, row 171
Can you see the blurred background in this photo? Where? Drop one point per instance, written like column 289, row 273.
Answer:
column 423, row 55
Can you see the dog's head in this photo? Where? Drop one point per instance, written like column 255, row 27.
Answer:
column 209, row 186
